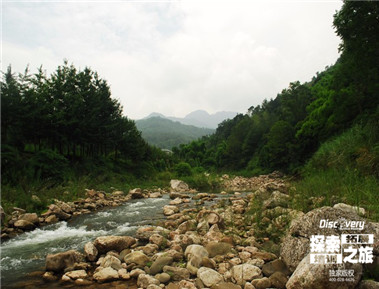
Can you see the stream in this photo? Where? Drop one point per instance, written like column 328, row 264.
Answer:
column 26, row 253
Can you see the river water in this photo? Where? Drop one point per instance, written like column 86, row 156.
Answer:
column 27, row 252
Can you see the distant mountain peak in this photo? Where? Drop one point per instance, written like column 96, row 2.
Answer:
column 199, row 118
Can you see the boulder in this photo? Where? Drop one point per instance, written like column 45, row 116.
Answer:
column 90, row 251
column 301, row 230
column 105, row 274
column 308, row 276
column 111, row 261
column 58, row 262
column 245, row 272
column 144, row 280
column 137, row 257
column 24, row 225
column 350, row 209
column 117, row 243
column 51, row 219
column 169, row 210
column 176, row 273
column 55, row 210
column 195, row 254
column 178, row 186
column 159, row 263
column 136, row 193
column 30, row 217
column 209, row 276
column 155, row 195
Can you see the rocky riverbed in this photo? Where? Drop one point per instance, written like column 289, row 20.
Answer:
column 250, row 240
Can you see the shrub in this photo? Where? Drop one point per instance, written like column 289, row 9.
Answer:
column 183, row 169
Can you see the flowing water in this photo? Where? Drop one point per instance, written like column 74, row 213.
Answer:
column 27, row 252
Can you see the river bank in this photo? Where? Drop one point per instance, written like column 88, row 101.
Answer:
column 251, row 240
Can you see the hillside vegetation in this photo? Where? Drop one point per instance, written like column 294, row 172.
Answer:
column 324, row 131
column 166, row 134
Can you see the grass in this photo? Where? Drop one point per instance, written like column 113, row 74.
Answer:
column 345, row 169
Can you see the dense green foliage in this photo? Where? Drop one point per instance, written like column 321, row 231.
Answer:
column 61, row 127
column 166, row 134
column 284, row 132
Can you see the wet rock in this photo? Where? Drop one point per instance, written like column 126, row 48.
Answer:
column 90, row 251
column 170, row 210
column 144, row 233
column 137, row 257
column 58, row 262
column 176, row 201
column 51, row 219
column 245, row 272
column 145, row 280
column 179, row 186
column 218, row 248
column 176, row 274
column 136, row 193
column 105, row 274
column 55, row 210
column 117, row 243
column 309, row 275
column 159, row 263
column 209, row 276
column 155, row 195
column 24, row 225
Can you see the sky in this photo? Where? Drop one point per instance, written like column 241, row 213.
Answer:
column 174, row 57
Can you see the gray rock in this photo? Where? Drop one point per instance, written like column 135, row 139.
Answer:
column 90, row 251
column 117, row 243
column 105, row 274
column 309, row 276
column 209, row 276
column 137, row 257
column 58, row 262
column 178, row 186
column 301, row 230
column 245, row 272
column 159, row 263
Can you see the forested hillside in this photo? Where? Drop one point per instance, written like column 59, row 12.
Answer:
column 166, row 134
column 56, row 129
column 283, row 133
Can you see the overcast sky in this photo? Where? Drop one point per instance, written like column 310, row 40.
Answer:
column 178, row 56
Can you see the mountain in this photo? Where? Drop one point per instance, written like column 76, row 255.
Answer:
column 200, row 118
column 166, row 134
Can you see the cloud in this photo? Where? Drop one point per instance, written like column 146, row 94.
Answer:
column 180, row 56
